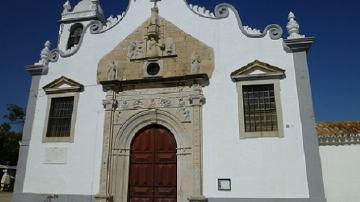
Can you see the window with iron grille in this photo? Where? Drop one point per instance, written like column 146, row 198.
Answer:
column 259, row 108
column 59, row 123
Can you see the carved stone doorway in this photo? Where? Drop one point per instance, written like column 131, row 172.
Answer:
column 153, row 166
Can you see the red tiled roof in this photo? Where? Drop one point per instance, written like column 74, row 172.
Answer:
column 338, row 133
column 338, row 128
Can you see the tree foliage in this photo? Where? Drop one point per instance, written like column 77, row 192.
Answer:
column 15, row 114
column 9, row 140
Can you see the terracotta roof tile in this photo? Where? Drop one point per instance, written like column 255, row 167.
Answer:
column 338, row 128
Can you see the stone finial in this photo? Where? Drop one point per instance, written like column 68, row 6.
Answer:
column 67, row 7
column 293, row 27
column 45, row 54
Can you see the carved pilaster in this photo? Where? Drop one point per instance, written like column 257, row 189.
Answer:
column 110, row 105
column 197, row 101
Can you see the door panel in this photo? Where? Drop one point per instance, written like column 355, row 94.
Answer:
column 153, row 166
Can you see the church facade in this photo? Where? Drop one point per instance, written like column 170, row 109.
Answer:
column 170, row 102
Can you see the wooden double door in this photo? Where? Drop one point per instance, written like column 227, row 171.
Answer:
column 153, row 166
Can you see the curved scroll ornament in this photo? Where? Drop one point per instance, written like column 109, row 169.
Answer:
column 97, row 27
column 223, row 11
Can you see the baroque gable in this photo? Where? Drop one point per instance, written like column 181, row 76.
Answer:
column 176, row 55
column 257, row 70
column 63, row 85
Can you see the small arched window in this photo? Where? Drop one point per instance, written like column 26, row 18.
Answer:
column 75, row 35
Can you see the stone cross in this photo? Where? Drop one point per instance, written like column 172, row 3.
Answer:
column 155, row 2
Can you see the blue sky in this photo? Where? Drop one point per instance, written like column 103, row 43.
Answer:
column 333, row 60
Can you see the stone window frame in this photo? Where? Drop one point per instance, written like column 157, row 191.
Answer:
column 161, row 70
column 270, row 75
column 53, row 90
column 243, row 133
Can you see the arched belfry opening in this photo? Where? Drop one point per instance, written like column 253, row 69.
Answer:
column 76, row 31
column 153, row 165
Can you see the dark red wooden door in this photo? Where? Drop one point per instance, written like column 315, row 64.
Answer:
column 153, row 166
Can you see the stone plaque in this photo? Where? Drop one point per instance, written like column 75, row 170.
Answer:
column 55, row 155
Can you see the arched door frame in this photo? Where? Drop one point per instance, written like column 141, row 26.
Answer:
column 120, row 158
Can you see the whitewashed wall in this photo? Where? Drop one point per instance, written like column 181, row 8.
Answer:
column 259, row 168
column 341, row 167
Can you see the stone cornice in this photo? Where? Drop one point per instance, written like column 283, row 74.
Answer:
column 267, row 71
column 299, row 44
column 55, row 87
column 339, row 140
column 37, row 69
column 155, row 82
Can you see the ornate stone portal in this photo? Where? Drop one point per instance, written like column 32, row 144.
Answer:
column 154, row 76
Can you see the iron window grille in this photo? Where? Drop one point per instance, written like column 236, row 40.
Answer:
column 60, row 116
column 259, row 108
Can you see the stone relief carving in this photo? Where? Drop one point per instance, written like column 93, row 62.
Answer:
column 184, row 111
column 182, row 151
column 165, row 102
column 110, row 104
column 138, row 104
column 121, row 152
column 154, row 45
column 181, row 101
column 136, row 50
column 195, row 63
column 149, row 103
column 112, row 71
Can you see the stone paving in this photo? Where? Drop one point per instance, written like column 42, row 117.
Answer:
column 5, row 197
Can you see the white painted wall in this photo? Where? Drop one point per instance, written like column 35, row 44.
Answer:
column 340, row 167
column 259, row 168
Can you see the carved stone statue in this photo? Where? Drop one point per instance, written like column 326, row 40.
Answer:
column 154, row 44
column 153, row 49
column 195, row 63
column 112, row 71
column 169, row 46
column 5, row 181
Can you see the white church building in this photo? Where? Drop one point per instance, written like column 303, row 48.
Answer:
column 169, row 102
